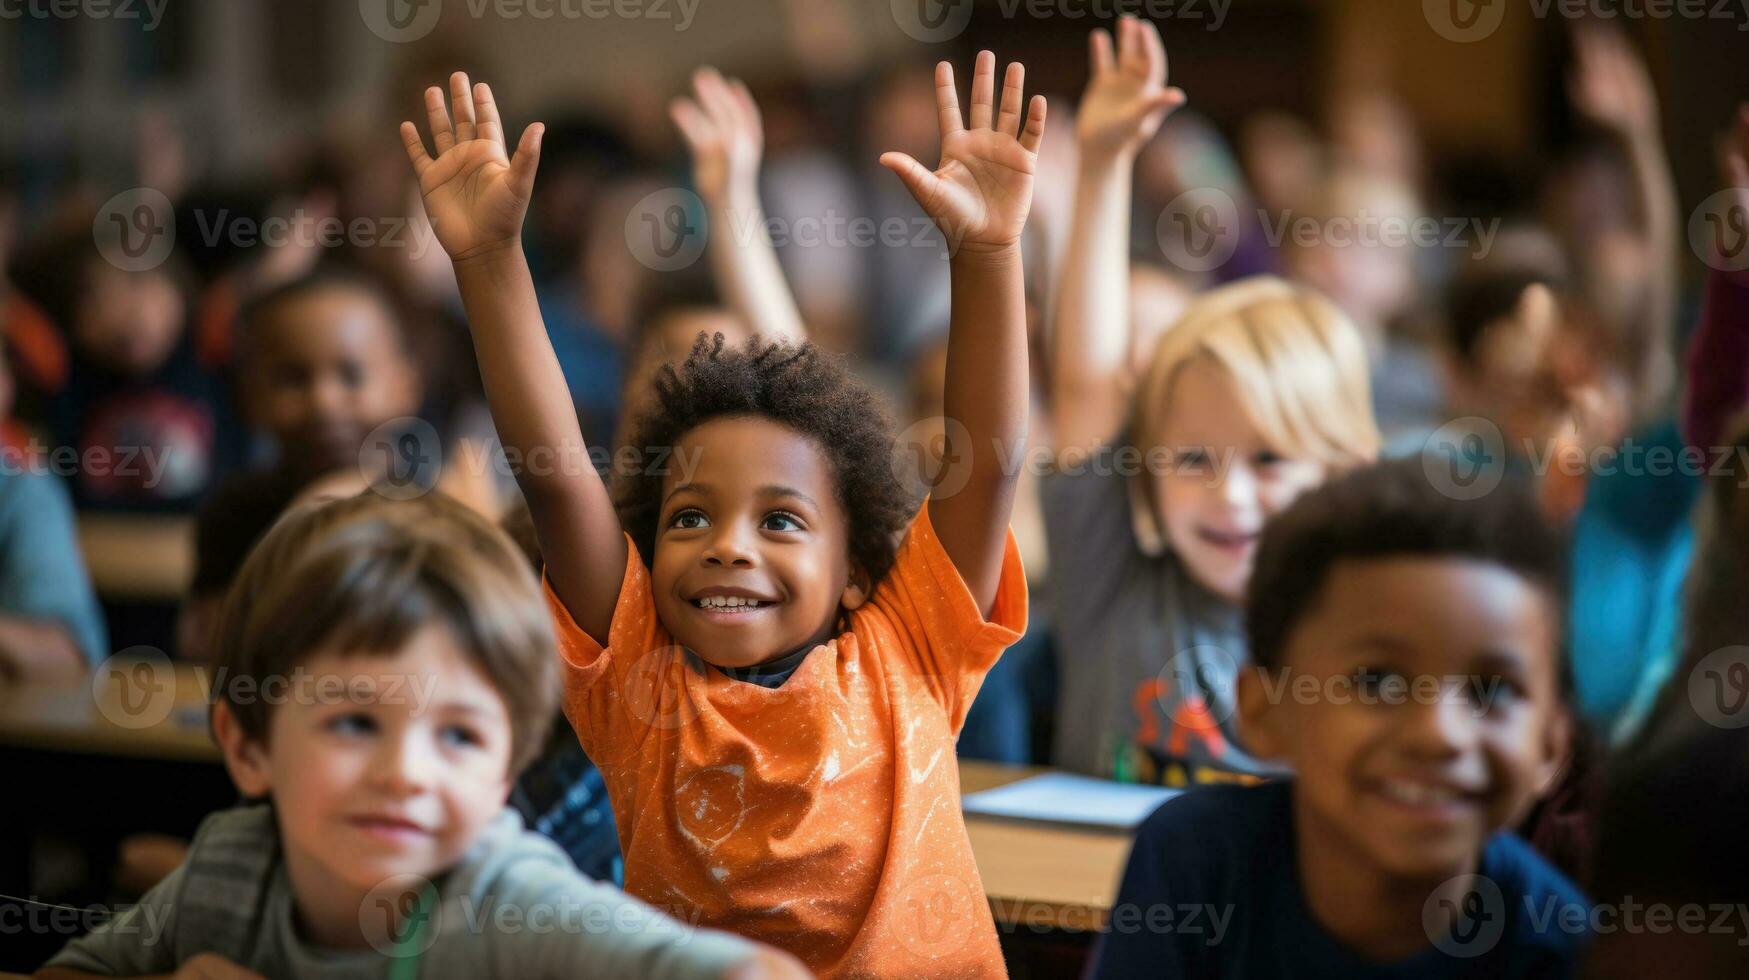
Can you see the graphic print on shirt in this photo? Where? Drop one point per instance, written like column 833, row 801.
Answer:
column 1184, row 723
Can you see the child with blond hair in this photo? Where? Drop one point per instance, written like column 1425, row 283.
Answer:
column 1164, row 480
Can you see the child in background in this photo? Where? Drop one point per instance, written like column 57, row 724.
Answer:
column 386, row 833
column 50, row 623
column 1163, row 486
column 1408, row 670
column 135, row 392
column 322, row 361
column 774, row 695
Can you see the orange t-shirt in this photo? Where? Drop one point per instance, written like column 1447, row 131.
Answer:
column 822, row 816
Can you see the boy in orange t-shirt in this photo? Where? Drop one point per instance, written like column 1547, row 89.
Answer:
column 777, row 700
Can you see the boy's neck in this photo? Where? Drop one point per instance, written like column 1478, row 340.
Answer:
column 1376, row 915
column 325, row 910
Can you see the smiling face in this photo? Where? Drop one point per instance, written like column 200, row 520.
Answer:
column 397, row 775
column 327, row 367
column 752, row 556
column 1224, row 481
column 1397, row 777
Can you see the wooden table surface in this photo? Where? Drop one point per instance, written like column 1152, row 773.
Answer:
column 147, row 708
column 1038, row 874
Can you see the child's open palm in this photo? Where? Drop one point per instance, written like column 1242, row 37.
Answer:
column 722, row 130
column 1126, row 98
column 475, row 194
column 981, row 193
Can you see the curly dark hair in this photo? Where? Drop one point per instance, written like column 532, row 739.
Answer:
column 797, row 386
column 1389, row 510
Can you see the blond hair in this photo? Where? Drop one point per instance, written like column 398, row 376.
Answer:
column 1298, row 362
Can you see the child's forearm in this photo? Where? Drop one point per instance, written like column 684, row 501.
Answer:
column 747, row 269
column 1651, row 347
column 1091, row 329
column 574, row 519
column 987, row 395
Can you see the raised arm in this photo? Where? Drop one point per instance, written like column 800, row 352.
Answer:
column 1612, row 88
column 722, row 130
column 476, row 196
column 980, row 196
column 1125, row 102
column 1718, row 355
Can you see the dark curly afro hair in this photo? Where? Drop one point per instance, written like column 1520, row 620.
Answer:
column 794, row 385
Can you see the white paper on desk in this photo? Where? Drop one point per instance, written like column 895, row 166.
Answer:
column 1064, row 798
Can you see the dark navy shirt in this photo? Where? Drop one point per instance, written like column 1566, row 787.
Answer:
column 1212, row 890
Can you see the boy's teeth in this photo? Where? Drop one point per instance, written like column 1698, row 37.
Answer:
column 727, row 602
column 1418, row 794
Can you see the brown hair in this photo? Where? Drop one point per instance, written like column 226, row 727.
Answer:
column 362, row 575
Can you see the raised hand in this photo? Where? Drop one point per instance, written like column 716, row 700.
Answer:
column 1126, row 98
column 1610, row 84
column 981, row 193
column 1734, row 157
column 475, row 194
column 722, row 130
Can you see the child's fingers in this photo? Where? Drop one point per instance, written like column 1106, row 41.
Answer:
column 1013, row 85
column 749, row 110
column 947, row 101
column 1132, row 51
column 691, row 121
column 461, row 97
column 917, row 178
column 491, row 125
column 983, row 90
column 415, row 148
column 713, row 96
column 1155, row 50
column 1099, row 53
column 526, row 161
column 1035, row 125
column 1165, row 100
column 437, row 115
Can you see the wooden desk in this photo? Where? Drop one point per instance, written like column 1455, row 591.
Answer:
column 153, row 710
column 138, row 558
column 1040, row 875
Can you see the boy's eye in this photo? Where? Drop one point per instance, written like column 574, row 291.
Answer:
column 351, row 374
column 1371, row 680
column 1193, row 457
column 689, row 520
column 352, row 724
column 781, row 521
column 1268, row 458
column 1493, row 693
column 459, row 735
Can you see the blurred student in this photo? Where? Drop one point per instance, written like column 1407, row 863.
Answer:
column 322, row 361
column 1408, row 671
column 147, row 418
column 386, row 835
column 1164, row 482
column 763, row 581
column 50, row 623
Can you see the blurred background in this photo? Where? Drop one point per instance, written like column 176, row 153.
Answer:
column 218, row 291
